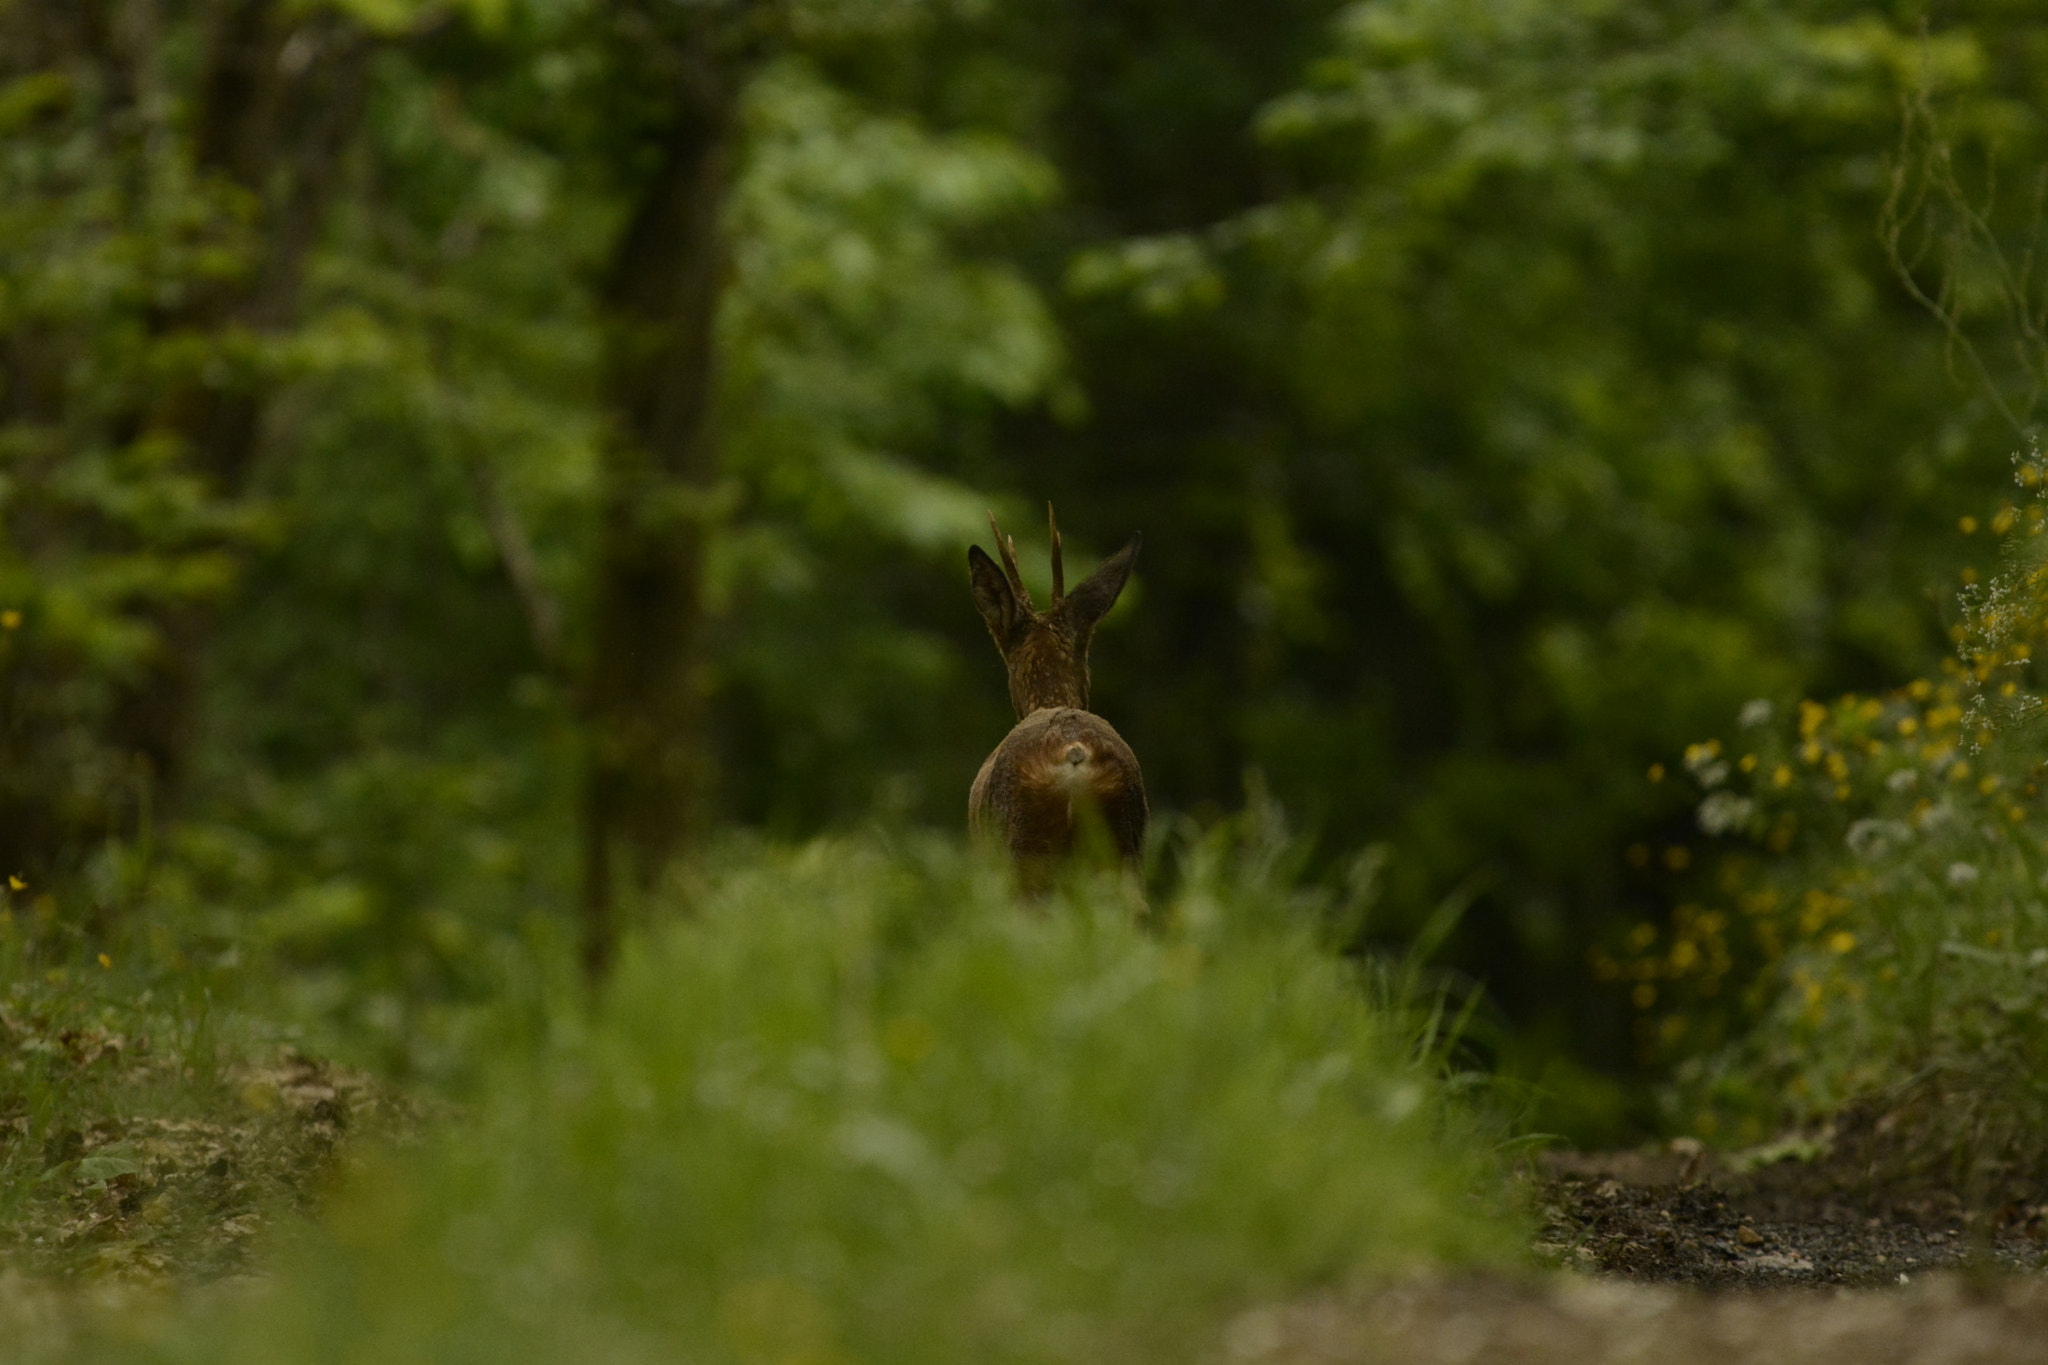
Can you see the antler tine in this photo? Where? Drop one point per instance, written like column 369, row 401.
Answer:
column 1059, row 577
column 1007, row 548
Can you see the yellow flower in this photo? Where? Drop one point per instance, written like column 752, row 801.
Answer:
column 10, row 619
column 16, row 884
column 1908, row 725
column 1656, row 772
column 1968, row 526
column 1841, row 941
column 105, row 962
column 1748, row 763
column 1781, row 776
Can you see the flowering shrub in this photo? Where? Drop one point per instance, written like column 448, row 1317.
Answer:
column 1874, row 932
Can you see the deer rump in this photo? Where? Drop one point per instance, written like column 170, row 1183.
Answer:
column 1061, row 783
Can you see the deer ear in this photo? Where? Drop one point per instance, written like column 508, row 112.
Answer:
column 1098, row 592
column 992, row 595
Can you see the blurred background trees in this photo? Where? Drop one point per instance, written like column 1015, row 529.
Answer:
column 449, row 450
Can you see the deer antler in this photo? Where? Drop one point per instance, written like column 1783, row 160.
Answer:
column 1059, row 577
column 1007, row 548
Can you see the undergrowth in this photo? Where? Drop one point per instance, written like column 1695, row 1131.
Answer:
column 860, row 1105
column 1870, row 958
column 848, row 1101
column 148, row 1129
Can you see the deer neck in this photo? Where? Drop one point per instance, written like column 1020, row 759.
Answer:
column 1046, row 673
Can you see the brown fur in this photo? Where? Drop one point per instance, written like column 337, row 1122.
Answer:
column 1035, row 800
column 1063, row 779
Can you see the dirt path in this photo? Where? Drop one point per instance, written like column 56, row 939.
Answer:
column 1578, row 1320
column 1682, row 1218
column 1673, row 1259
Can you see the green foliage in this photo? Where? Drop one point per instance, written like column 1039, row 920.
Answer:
column 1508, row 392
column 1608, row 199
column 869, row 346
column 863, row 1106
column 107, row 532
column 394, row 805
column 1551, row 406
column 374, row 905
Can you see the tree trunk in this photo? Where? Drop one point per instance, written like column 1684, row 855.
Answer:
column 645, row 786
column 280, row 101
column 280, row 98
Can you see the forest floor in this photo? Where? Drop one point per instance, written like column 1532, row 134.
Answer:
column 1680, row 1256
column 1690, row 1217
column 1669, row 1256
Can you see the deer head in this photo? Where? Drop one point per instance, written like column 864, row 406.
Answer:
column 1045, row 652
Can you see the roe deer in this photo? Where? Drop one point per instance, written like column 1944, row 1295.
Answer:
column 1062, row 773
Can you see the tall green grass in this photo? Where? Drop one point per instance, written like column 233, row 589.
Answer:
column 861, row 1106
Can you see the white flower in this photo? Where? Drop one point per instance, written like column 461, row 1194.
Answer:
column 1874, row 838
column 1725, row 811
column 1755, row 713
column 1903, row 779
column 1961, row 874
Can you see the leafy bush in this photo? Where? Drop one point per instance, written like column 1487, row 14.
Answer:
column 1880, row 922
column 864, row 1107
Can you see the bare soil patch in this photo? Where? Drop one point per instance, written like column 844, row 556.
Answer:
column 1577, row 1320
column 1680, row 1256
column 1688, row 1217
